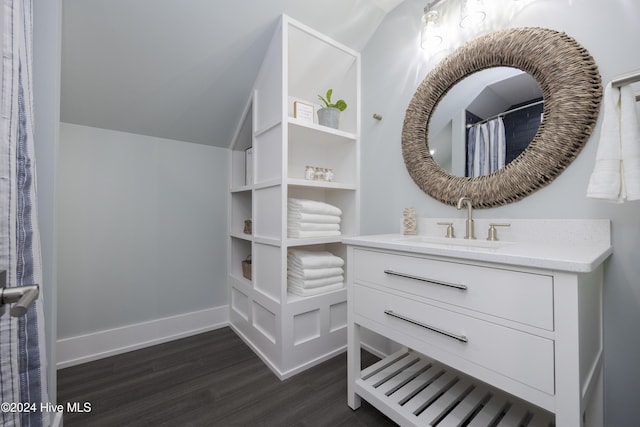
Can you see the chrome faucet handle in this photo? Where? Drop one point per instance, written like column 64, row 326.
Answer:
column 450, row 232
column 493, row 233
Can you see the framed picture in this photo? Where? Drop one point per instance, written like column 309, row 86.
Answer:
column 303, row 112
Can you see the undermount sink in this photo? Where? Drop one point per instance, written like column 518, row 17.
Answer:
column 454, row 242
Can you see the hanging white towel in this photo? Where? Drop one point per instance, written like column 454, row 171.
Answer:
column 616, row 174
column 630, row 141
column 606, row 180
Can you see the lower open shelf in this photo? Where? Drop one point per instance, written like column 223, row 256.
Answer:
column 413, row 389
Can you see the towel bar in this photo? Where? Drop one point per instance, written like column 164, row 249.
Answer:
column 631, row 77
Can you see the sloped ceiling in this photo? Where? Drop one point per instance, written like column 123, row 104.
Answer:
column 183, row 69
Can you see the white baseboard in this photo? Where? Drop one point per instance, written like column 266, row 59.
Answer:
column 85, row 348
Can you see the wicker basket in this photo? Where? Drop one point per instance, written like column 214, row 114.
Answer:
column 246, row 268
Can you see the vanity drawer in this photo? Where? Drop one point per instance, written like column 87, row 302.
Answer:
column 498, row 348
column 518, row 296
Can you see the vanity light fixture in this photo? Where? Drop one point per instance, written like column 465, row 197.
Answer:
column 431, row 31
column 472, row 13
column 431, row 36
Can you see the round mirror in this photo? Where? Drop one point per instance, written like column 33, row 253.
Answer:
column 571, row 90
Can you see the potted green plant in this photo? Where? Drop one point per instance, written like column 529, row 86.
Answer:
column 330, row 114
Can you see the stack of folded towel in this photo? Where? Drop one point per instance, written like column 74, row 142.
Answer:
column 311, row 218
column 314, row 272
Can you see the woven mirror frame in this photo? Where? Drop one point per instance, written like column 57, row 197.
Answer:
column 571, row 88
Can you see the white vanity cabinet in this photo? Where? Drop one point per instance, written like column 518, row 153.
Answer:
column 489, row 334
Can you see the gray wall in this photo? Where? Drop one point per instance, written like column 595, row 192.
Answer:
column 141, row 229
column 394, row 65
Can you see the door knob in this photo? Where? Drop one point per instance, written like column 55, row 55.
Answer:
column 21, row 296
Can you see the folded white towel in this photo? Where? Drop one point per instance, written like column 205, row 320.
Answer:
column 309, row 234
column 314, row 283
column 314, row 218
column 616, row 174
column 312, row 226
column 316, row 291
column 319, row 264
column 313, row 259
column 294, row 270
column 312, row 206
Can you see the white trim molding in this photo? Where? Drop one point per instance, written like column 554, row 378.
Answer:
column 86, row 348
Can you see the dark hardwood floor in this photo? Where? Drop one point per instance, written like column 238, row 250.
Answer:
column 211, row 379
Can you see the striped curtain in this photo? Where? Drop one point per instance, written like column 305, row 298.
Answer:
column 22, row 347
column 486, row 147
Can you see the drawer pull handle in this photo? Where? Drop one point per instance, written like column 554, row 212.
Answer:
column 460, row 338
column 422, row 279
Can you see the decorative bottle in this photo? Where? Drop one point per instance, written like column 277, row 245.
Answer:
column 409, row 221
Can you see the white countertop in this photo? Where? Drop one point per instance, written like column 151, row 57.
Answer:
column 584, row 252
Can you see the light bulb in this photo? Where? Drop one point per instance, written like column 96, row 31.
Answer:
column 472, row 13
column 430, row 37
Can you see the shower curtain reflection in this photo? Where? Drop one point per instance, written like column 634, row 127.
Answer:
column 486, row 147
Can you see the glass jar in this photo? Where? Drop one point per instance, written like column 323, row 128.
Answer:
column 309, row 172
column 328, row 175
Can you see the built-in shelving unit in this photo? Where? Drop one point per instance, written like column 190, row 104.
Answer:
column 289, row 332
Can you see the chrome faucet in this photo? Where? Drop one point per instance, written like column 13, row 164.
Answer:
column 466, row 201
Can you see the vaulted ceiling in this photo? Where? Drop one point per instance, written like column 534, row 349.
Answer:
column 183, row 69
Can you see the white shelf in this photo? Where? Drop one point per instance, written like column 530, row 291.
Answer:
column 287, row 330
column 267, row 241
column 294, row 298
column 333, row 185
column 267, row 184
column 241, row 189
column 412, row 389
column 242, row 280
column 291, row 242
column 300, row 126
column 241, row 236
